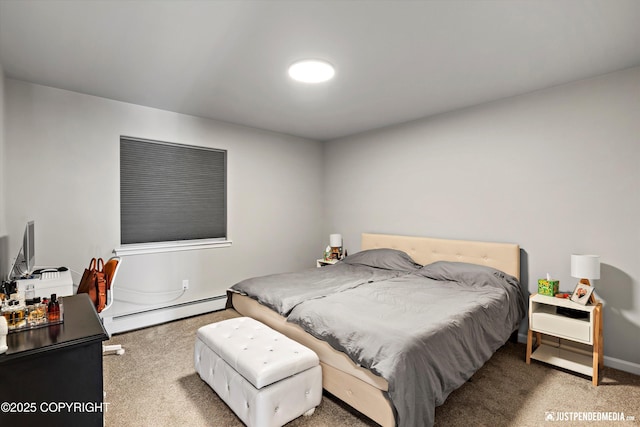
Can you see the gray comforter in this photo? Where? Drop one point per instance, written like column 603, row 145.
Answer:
column 425, row 331
column 426, row 337
column 282, row 292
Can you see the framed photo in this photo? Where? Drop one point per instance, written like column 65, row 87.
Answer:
column 582, row 293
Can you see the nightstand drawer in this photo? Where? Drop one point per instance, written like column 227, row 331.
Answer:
column 561, row 326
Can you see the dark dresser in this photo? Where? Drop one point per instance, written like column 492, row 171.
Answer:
column 53, row 375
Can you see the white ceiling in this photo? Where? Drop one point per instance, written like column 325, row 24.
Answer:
column 395, row 60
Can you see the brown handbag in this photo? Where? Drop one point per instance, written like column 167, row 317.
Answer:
column 94, row 283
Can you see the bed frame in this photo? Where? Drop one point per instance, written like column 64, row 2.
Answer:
column 356, row 386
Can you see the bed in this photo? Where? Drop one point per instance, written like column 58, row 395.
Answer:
column 358, row 382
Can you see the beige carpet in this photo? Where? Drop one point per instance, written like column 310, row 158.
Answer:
column 154, row 384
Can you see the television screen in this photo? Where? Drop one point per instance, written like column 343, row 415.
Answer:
column 25, row 260
column 4, row 257
column 29, row 247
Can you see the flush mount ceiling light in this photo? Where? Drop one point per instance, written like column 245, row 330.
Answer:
column 311, row 71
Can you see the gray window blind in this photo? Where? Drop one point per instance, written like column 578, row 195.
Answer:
column 171, row 192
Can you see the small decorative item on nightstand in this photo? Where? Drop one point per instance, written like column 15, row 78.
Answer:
column 582, row 294
column 327, row 254
column 547, row 286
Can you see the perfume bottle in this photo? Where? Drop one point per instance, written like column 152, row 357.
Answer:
column 30, row 293
column 16, row 315
column 41, row 309
column 53, row 312
column 37, row 313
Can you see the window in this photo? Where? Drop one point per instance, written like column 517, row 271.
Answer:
column 171, row 193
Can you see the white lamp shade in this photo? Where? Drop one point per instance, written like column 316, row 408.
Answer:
column 335, row 240
column 585, row 266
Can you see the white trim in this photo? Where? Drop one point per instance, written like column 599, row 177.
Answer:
column 119, row 324
column 154, row 248
column 623, row 365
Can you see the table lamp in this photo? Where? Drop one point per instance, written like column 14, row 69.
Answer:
column 335, row 241
column 585, row 267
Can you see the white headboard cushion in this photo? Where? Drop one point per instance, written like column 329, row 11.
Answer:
column 425, row 250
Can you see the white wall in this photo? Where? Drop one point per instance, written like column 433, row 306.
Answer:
column 62, row 153
column 3, row 178
column 4, row 239
column 556, row 171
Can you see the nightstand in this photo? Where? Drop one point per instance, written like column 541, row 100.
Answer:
column 567, row 320
column 322, row 262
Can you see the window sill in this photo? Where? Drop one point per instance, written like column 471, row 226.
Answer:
column 154, row 248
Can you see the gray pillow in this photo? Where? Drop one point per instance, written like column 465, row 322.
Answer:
column 388, row 259
column 470, row 274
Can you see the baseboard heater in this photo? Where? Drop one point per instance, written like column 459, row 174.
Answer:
column 154, row 316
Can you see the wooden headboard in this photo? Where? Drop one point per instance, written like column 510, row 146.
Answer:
column 425, row 250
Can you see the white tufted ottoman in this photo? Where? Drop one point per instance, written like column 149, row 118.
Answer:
column 266, row 378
